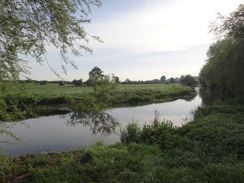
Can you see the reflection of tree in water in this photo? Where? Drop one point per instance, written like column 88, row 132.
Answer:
column 190, row 97
column 208, row 97
column 7, row 136
column 99, row 122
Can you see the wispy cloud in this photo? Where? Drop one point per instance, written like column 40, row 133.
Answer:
column 161, row 25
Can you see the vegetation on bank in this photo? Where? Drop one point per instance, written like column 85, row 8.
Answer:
column 30, row 100
column 208, row 149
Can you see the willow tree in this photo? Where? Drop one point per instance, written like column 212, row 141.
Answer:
column 229, row 27
column 223, row 72
column 28, row 26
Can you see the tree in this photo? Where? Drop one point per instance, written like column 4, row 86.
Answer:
column 61, row 83
column 95, row 75
column 127, row 81
column 163, row 79
column 188, row 80
column 230, row 27
column 26, row 27
column 171, row 80
column 223, row 73
column 102, row 90
column 77, row 82
column 44, row 82
column 115, row 79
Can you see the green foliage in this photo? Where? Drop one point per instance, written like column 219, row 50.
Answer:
column 160, row 133
column 28, row 26
column 61, row 83
column 55, row 100
column 223, row 72
column 103, row 86
column 102, row 90
column 188, row 80
column 230, row 27
column 87, row 104
column 95, row 75
column 163, row 79
column 131, row 133
column 219, row 127
column 147, row 93
column 99, row 163
column 16, row 107
column 77, row 82
column 138, row 99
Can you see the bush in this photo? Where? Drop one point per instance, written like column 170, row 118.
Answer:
column 160, row 133
column 131, row 133
column 16, row 107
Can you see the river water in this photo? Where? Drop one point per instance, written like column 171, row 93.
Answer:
column 78, row 130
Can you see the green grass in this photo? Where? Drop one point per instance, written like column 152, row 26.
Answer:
column 207, row 149
column 31, row 100
column 51, row 90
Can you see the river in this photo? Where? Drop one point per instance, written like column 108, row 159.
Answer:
column 78, row 130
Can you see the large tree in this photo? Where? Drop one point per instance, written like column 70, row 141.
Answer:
column 28, row 26
column 188, row 80
column 223, row 72
column 163, row 79
column 96, row 74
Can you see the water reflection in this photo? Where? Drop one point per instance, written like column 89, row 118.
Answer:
column 191, row 97
column 208, row 98
column 99, row 122
column 7, row 136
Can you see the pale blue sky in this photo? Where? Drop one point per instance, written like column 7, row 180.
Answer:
column 145, row 39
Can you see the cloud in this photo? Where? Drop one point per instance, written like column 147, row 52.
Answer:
column 160, row 26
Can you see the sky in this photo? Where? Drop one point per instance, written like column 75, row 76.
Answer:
column 144, row 39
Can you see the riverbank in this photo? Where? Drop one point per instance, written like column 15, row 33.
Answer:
column 208, row 149
column 42, row 100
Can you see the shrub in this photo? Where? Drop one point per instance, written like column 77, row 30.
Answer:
column 131, row 133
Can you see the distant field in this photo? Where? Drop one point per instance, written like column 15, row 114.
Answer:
column 151, row 87
column 50, row 90
column 54, row 90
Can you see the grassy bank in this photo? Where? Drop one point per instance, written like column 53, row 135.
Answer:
column 31, row 100
column 208, row 149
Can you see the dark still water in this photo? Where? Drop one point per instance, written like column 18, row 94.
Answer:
column 78, row 130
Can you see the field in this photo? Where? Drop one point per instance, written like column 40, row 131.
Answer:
column 32, row 100
column 54, row 90
column 131, row 94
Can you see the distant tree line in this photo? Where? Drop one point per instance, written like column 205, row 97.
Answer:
column 96, row 74
column 185, row 80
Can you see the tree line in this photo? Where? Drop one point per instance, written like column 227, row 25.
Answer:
column 96, row 74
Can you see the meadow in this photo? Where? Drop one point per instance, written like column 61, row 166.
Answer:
column 31, row 100
column 54, row 90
